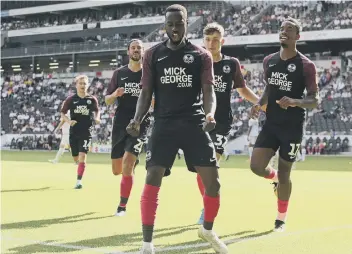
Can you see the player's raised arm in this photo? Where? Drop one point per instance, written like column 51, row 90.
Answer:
column 240, row 85
column 209, row 97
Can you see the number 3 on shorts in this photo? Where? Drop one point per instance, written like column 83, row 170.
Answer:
column 294, row 150
column 86, row 144
column 220, row 140
column 138, row 147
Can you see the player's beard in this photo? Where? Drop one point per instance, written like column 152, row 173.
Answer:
column 180, row 37
column 284, row 45
column 136, row 59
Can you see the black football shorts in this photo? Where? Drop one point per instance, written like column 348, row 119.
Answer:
column 168, row 136
column 286, row 139
column 122, row 142
column 80, row 143
column 219, row 137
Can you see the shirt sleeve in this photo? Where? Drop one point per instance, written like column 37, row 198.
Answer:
column 148, row 72
column 207, row 71
column 66, row 106
column 310, row 77
column 237, row 77
column 113, row 83
column 265, row 67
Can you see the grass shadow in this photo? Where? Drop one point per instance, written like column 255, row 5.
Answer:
column 34, row 224
column 132, row 240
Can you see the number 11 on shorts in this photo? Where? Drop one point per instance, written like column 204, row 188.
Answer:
column 294, row 150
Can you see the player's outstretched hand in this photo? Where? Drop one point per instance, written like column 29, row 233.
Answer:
column 133, row 128
column 119, row 92
column 73, row 122
column 286, row 102
column 209, row 123
column 255, row 111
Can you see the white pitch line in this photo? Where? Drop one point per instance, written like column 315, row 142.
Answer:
column 181, row 247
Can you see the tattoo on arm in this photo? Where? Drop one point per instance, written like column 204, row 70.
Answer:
column 264, row 98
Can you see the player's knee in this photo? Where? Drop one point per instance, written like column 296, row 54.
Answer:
column 128, row 164
column 116, row 167
column 257, row 168
column 82, row 157
column 155, row 176
column 213, row 189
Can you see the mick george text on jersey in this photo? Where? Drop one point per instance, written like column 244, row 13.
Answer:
column 220, row 86
column 132, row 88
column 177, row 75
column 280, row 79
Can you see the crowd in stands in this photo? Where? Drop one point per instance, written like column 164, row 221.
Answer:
column 333, row 145
column 32, row 106
column 264, row 18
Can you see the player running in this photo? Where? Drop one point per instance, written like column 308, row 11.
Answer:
column 177, row 71
column 124, row 89
column 288, row 73
column 228, row 76
column 65, row 138
column 84, row 109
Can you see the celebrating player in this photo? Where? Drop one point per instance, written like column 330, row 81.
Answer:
column 288, row 73
column 177, row 71
column 65, row 141
column 125, row 88
column 84, row 109
column 228, row 76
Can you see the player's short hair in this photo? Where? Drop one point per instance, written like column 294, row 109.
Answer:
column 212, row 28
column 296, row 23
column 131, row 41
column 85, row 77
column 177, row 7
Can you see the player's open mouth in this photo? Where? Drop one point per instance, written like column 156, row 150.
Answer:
column 174, row 34
column 283, row 38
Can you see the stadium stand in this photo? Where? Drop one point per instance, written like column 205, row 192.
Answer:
column 31, row 101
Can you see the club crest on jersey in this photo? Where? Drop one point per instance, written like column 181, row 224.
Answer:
column 291, row 67
column 226, row 69
column 89, row 102
column 188, row 58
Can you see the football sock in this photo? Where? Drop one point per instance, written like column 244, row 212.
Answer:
column 149, row 204
column 282, row 209
column 80, row 170
column 125, row 189
column 59, row 154
column 211, row 208
column 200, row 185
column 272, row 174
